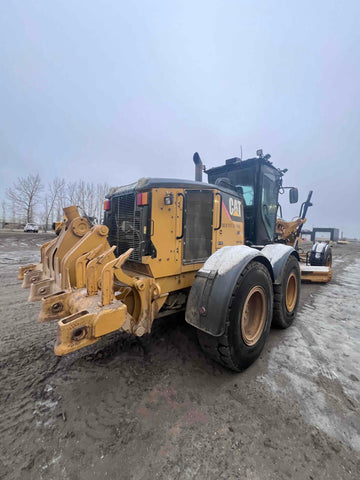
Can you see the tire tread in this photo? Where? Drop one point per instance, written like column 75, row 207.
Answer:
column 218, row 348
column 280, row 320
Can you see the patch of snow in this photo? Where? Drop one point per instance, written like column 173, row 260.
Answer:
column 318, row 362
column 310, row 268
column 275, row 252
column 226, row 258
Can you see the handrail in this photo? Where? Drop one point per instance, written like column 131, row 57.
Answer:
column 220, row 215
column 183, row 217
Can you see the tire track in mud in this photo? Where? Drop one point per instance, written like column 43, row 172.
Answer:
column 25, row 363
column 155, row 408
column 125, row 404
column 34, row 377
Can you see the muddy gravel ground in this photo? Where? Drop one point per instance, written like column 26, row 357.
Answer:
column 158, row 409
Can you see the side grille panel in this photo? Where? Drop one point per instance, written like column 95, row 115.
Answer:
column 124, row 228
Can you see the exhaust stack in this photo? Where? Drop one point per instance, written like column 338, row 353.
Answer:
column 198, row 167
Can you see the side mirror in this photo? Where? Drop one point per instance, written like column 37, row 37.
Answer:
column 293, row 195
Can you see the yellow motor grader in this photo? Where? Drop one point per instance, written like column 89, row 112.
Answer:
column 216, row 250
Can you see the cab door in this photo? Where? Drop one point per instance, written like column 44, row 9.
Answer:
column 269, row 200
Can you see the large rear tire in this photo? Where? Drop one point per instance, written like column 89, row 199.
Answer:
column 287, row 294
column 248, row 321
column 323, row 260
column 328, row 258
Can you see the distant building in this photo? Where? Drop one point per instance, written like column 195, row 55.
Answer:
column 325, row 234
column 306, row 234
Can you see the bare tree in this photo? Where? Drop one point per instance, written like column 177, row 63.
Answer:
column 101, row 190
column 3, row 211
column 54, row 190
column 61, row 202
column 72, row 194
column 14, row 212
column 87, row 196
column 25, row 195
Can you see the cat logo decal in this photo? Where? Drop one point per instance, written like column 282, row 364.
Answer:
column 234, row 207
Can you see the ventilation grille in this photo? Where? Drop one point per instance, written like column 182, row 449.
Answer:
column 124, row 230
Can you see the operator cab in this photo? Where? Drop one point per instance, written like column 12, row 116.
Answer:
column 259, row 182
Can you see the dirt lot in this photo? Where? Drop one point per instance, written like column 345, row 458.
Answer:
column 160, row 410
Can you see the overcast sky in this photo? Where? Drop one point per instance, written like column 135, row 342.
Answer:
column 114, row 91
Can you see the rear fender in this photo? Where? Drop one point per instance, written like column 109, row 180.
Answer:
column 211, row 292
column 278, row 254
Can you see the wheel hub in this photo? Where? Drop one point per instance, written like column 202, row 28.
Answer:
column 254, row 315
column 291, row 292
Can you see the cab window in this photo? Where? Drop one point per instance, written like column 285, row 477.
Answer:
column 243, row 181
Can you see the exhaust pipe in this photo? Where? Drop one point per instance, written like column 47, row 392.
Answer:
column 198, row 167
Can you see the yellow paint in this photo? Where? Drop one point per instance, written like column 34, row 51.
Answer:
column 166, row 226
column 81, row 257
column 109, row 320
column 231, row 232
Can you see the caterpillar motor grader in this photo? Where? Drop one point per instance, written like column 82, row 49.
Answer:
column 215, row 250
